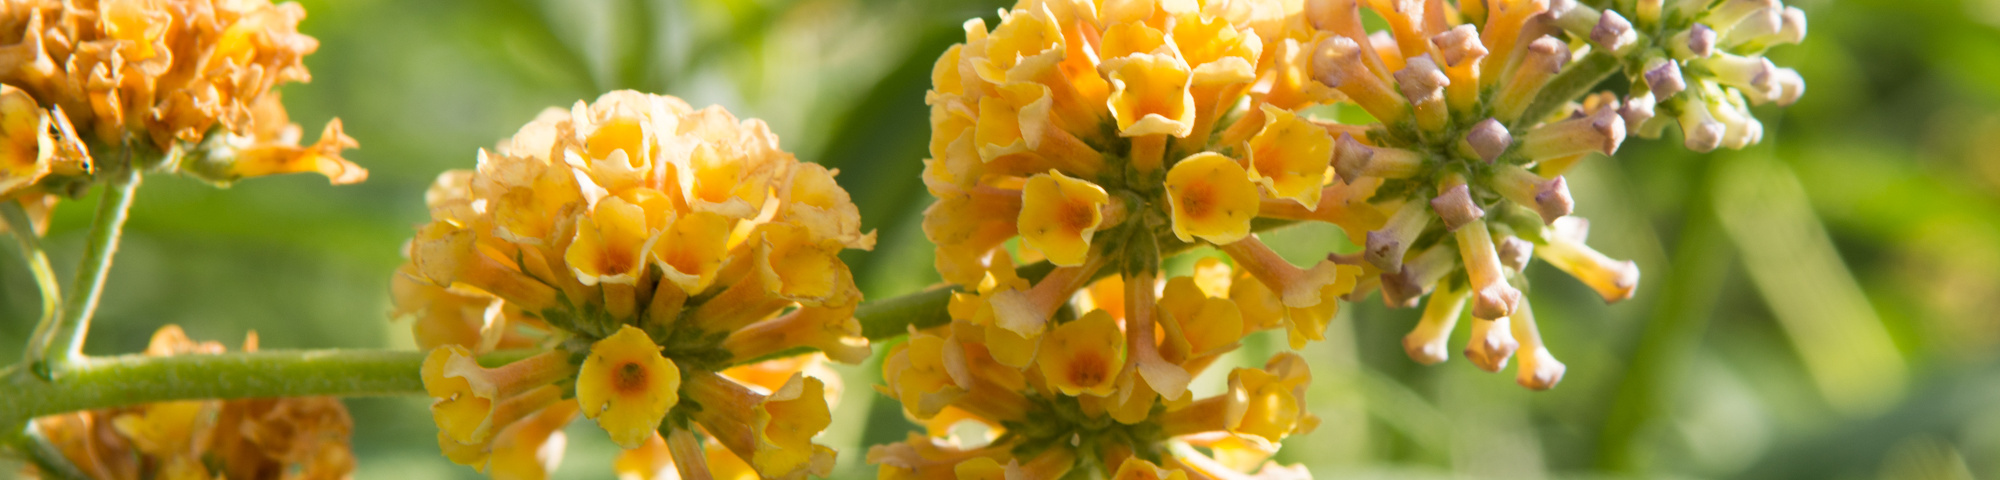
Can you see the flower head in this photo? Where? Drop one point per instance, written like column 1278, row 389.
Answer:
column 302, row 438
column 193, row 78
column 1093, row 390
column 656, row 244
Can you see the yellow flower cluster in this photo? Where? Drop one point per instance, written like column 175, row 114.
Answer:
column 643, row 248
column 1103, row 135
column 193, row 76
column 304, row 438
column 1096, row 388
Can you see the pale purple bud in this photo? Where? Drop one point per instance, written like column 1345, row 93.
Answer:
column 1489, row 139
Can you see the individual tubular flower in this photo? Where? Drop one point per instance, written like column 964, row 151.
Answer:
column 28, row 149
column 186, row 79
column 627, row 386
column 1085, row 399
column 640, row 246
column 1059, row 215
column 290, row 438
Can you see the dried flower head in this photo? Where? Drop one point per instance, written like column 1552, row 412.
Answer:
column 304, row 438
column 644, row 247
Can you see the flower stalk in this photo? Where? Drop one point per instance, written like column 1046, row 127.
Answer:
column 59, row 338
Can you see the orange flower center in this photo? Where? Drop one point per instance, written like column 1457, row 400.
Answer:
column 631, row 378
column 1195, row 199
column 1087, row 369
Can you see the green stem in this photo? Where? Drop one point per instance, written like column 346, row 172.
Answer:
column 104, row 382
column 49, row 462
column 74, row 324
column 1701, row 261
column 1574, row 81
column 17, row 221
column 86, row 383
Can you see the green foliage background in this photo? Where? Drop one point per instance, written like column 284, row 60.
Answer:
column 1824, row 305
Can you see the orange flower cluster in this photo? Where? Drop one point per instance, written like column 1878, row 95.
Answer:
column 1080, row 394
column 302, row 438
column 192, row 78
column 642, row 247
column 1104, row 135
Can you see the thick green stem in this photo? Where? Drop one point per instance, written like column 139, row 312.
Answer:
column 86, row 383
column 64, row 342
column 1572, row 83
column 103, row 382
column 17, row 221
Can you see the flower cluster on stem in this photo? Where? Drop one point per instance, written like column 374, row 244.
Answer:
column 1095, row 131
column 643, row 248
column 190, row 83
column 302, row 438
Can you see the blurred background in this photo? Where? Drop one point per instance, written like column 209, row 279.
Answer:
column 1823, row 305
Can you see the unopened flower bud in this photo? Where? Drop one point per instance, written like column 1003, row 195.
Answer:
column 1549, row 197
column 1515, row 253
column 1539, row 370
column 1702, row 133
column 1637, row 109
column 1461, row 53
column 1732, row 14
column 1489, row 139
column 1352, row 160
column 1336, row 62
column 1612, row 279
column 1386, row 247
column 1613, row 33
column 1402, row 288
column 1793, row 30
column 1423, row 84
column 1790, row 85
column 1492, row 297
column 1456, row 208
column 1492, row 343
column 1426, row 342
column 1697, row 41
column 1756, row 76
column 1543, row 59
column 1602, row 132
column 1663, row 77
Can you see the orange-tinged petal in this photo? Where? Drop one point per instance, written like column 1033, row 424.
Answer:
column 786, row 423
column 1212, row 198
column 1084, row 356
column 693, row 249
column 1290, row 157
column 627, row 386
column 610, row 244
column 795, row 267
column 1059, row 214
column 1149, row 95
